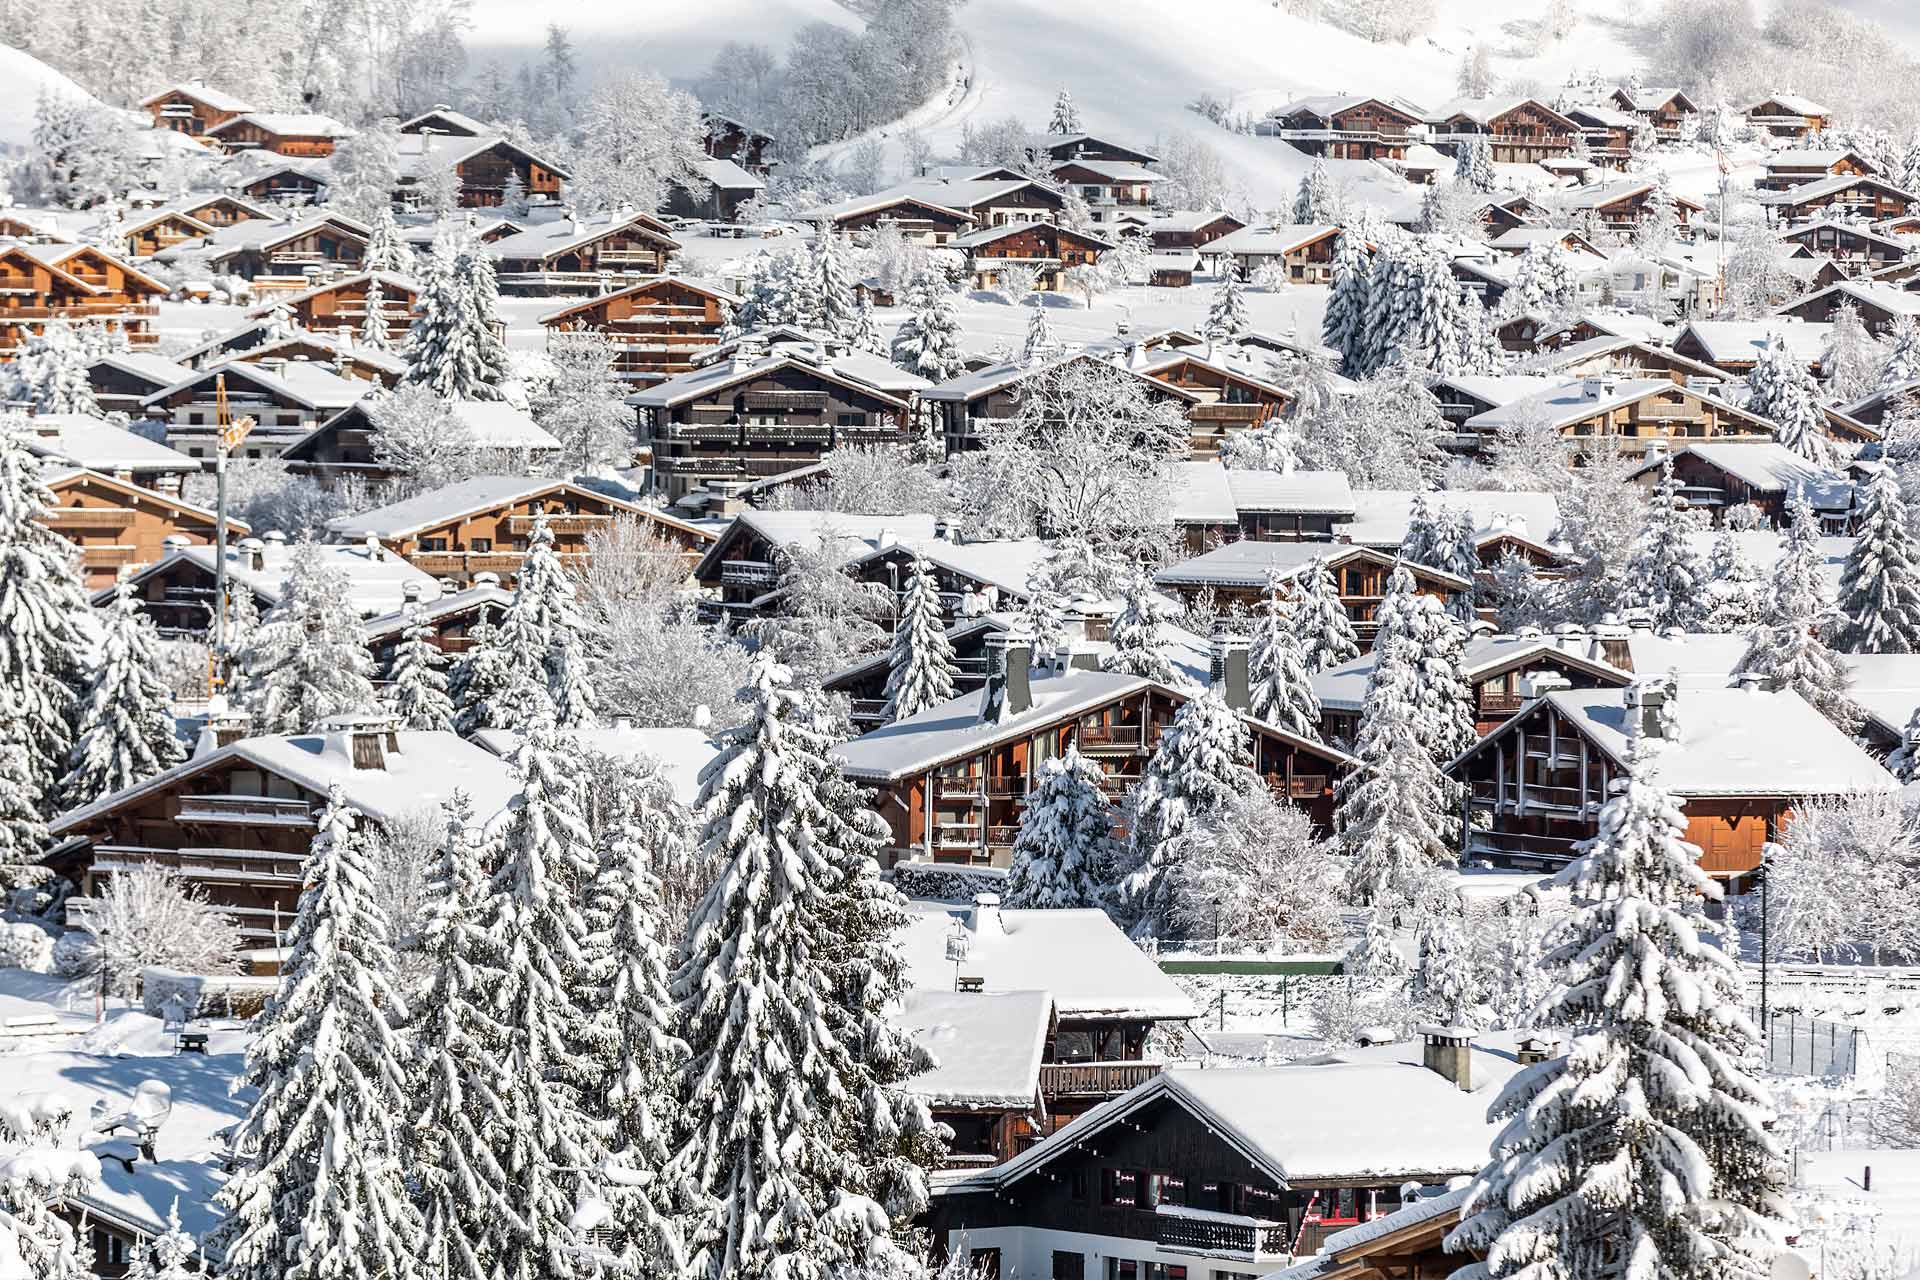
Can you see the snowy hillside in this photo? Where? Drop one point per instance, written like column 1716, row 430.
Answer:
column 26, row 78
column 675, row 38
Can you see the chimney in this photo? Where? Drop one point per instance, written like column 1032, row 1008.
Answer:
column 1640, row 625
column 410, row 592
column 1533, row 1049
column 368, row 738
column 1083, row 657
column 1538, row 684
column 374, row 549
column 1008, row 692
column 983, row 918
column 942, row 529
column 253, row 553
column 1648, row 701
column 486, row 578
column 276, row 537
column 222, row 728
column 1448, row 1052
column 175, row 542
column 1228, row 671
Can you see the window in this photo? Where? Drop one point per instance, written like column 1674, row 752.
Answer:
column 850, row 420
column 1119, row 1187
column 1122, row 1269
column 481, row 544
column 1069, row 1266
column 1165, row 1188
column 433, row 544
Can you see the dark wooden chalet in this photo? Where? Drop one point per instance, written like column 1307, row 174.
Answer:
column 729, row 139
column 282, row 252
column 1880, row 306
column 297, row 182
column 344, row 446
column 1788, row 115
column 1348, row 128
column 224, row 210
column 1667, row 109
column 1051, row 251
column 1112, row 188
column 934, row 211
column 453, row 620
column 1237, row 574
column 1788, row 169
column 1855, row 248
column 1714, row 477
column 1191, row 228
column 122, row 381
column 193, row 109
column 1225, row 400
column 285, row 398
column 1085, row 146
column 1860, row 197
column 1518, row 130
column 483, row 167
column 146, row 236
column 569, row 255
column 865, row 682
column 965, row 403
column 1620, row 207
column 1213, row 505
column 339, row 307
column 1609, row 133
column 305, row 136
column 659, row 327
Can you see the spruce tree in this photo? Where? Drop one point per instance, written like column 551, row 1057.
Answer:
column 1228, row 316
column 541, row 644
column 126, row 732
column 454, row 346
column 477, row 682
column 1446, row 980
column 1282, row 692
column 1324, row 625
column 1066, row 117
column 1642, row 1150
column 1063, row 855
column 1902, row 365
column 306, row 661
column 537, row 934
column 319, row 1189
column 373, row 332
column 50, row 374
column 416, row 681
column 1851, row 360
column 43, row 624
column 1139, row 634
column 458, row 1077
column 386, row 251
column 837, row 311
column 1203, row 760
column 928, row 341
column 1445, row 726
column 1040, row 345
column 1788, row 651
column 1665, row 578
column 1427, row 533
column 1880, row 584
column 1315, row 203
column 866, row 335
column 23, row 829
column 1736, row 592
column 1784, row 392
column 1343, row 327
column 920, row 669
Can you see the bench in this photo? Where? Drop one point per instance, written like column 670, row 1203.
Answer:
column 30, row 1024
column 969, row 984
column 193, row 1042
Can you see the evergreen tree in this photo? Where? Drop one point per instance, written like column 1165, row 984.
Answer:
column 126, row 732
column 1040, row 345
column 1784, row 392
column 1227, row 317
column 540, row 642
column 1904, row 762
column 1066, row 116
column 477, row 682
column 1316, row 203
column 1203, row 760
column 386, row 251
column 1664, row 575
column 319, row 1188
column 1789, row 651
column 1446, row 979
column 306, row 660
column 1543, row 283
column 1139, row 634
column 43, row 624
column 1324, row 624
column 536, row 932
column 1659, row 218
column 1343, row 327
column 1902, row 364
column 1460, row 556
column 1736, row 594
column 921, row 669
column 1880, row 584
column 50, row 375
column 1445, row 725
column 793, row 930
column 866, row 335
column 455, row 346
column 1473, row 165
column 23, row 829
column 1063, row 855
column 458, row 1078
column 1427, row 534
column 416, row 683
column 927, row 342
column 1643, row 1150
column 1393, row 809
column 1852, row 360
column 1282, row 692
column 833, row 285
column 373, row 327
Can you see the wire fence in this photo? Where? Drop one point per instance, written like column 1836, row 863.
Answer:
column 1802, row 1046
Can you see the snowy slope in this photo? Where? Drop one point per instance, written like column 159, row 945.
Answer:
column 673, row 38
column 26, row 78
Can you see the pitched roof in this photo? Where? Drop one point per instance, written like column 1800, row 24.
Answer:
column 1741, row 341
column 725, row 175
column 1210, row 493
column 374, row 585
column 303, row 382
column 956, row 196
column 1792, row 102
column 215, row 98
column 389, row 280
column 1884, row 297
column 1821, row 187
column 457, row 119
column 290, row 124
column 145, row 365
column 449, row 605
column 99, row 445
column 1381, row 515
column 1281, row 238
column 1247, row 563
column 479, row 493
column 1768, row 468
column 1344, row 688
column 546, row 239
column 987, row 235
column 651, row 282
column 712, row 378
column 988, row 1045
column 419, row 153
column 1571, row 401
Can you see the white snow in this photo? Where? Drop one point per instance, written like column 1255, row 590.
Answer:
column 988, row 1045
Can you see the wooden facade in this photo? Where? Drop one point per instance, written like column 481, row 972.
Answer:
column 1524, row 133
column 340, row 306
column 729, row 139
column 286, row 257
column 483, row 172
column 193, row 109
column 118, row 525
column 1499, row 690
column 1192, row 232
column 1667, row 111
column 569, row 257
column 223, row 210
column 1225, row 401
column 1367, row 129
column 1865, row 198
column 162, row 230
column 78, row 283
column 1853, row 248
column 1671, row 413
column 1790, row 169
column 301, row 137
column 1051, row 251
column 1790, row 118
column 1359, row 573
column 919, row 220
column 287, row 184
column 658, row 327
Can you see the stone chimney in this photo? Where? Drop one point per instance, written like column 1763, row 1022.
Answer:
column 175, row 542
column 1228, row 671
column 1448, row 1052
column 983, row 918
column 410, row 592
column 253, row 553
column 1009, row 690
column 368, row 739
column 1649, row 702
column 223, row 728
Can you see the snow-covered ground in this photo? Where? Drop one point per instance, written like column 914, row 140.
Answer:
column 27, row 78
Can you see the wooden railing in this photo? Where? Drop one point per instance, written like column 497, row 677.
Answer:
column 580, row 524
column 88, row 517
column 959, row 788
column 1093, row 1079
column 1522, row 844
column 1501, row 703
column 1010, row 784
column 1302, row 786
column 1225, row 412
column 1251, row 1240
column 245, row 809
column 1109, row 737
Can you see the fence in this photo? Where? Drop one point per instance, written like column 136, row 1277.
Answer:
column 1803, row 1046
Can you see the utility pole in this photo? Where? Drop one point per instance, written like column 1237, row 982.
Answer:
column 228, row 436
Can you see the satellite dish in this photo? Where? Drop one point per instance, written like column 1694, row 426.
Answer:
column 1788, row 1265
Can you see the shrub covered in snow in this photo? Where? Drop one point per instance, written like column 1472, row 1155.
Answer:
column 76, row 953
column 26, row 946
column 146, row 917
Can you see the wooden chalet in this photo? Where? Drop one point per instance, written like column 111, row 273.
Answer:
column 122, row 381
column 225, row 209
column 1624, row 357
column 1348, row 128
column 935, row 211
column 715, row 190
column 193, row 109
column 758, row 415
column 75, row 282
column 453, row 621
column 1111, row 188
column 344, row 447
column 1085, row 146
column 964, row 404
column 295, row 182
column 159, row 230
column 1627, row 412
column 286, row 399
column 278, row 254
column 1734, row 346
column 1210, row 1173
column 1714, row 477
column 339, row 306
column 864, row 684
column 121, row 526
column 571, row 255
column 1049, row 250
column 729, row 139
column 481, row 525
column 1213, row 505
column 1788, row 115
column 1304, row 251
column 1190, row 228
column 1226, row 399
column 1609, row 133
column 1880, row 306
column 1788, row 169
column 1237, row 573
column 302, row 135
column 1667, row 109
column 659, row 327
column 1538, row 782
column 1620, row 207
column 483, row 167
column 1855, row 248
column 951, row 782
column 1857, row 197
column 350, row 360
column 1518, row 130
column 66, row 440
column 237, row 819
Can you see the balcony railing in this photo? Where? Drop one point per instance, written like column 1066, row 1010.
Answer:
column 1501, row 703
column 959, row 788
column 249, row 810
column 521, row 526
column 1227, row 412
column 1220, row 1235
column 1520, row 844
column 1094, row 1079
column 1116, row 737
column 1302, row 786
column 1012, row 784
column 1539, row 798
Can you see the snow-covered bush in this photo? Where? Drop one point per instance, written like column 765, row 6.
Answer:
column 1744, row 516
column 76, row 953
column 147, row 917
column 946, row 881
column 1254, row 872
column 26, row 946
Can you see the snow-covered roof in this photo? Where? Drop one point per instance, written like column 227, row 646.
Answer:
column 562, row 234
column 1886, row 686
column 465, row 497
column 1209, row 493
column 1381, row 515
column 454, row 602
column 1792, row 102
column 1732, row 742
column 990, row 378
column 1769, row 468
column 392, row 284
column 954, row 195
column 1741, row 341
column 988, row 1045
column 1503, row 388
column 1248, row 562
column 987, row 235
column 290, row 125
column 1573, row 400
column 420, row 154
column 1111, row 170
column 1186, row 220
column 304, row 382
column 1328, row 104
column 1885, row 297
column 456, row 120
column 681, row 753
column 1089, row 967
column 1278, row 239
column 1344, row 688
column 728, row 176
column 1820, row 188
column 215, row 98
column 1605, row 117
column 157, row 369
column 374, row 585
column 99, row 446
column 1762, row 549
column 843, row 370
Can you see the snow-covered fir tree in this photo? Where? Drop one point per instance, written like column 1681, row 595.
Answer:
column 1394, row 809
column 50, row 375
column 386, row 251
column 1736, row 590
column 320, row 1183
column 534, row 926
column 454, row 346
column 1904, row 762
column 45, row 632
column 1065, row 120
column 1203, row 760
column 1543, row 283
column 125, row 732
column 477, row 681
column 1643, row 1150
column 373, row 332
column 1139, row 634
column 1788, row 650
column 927, row 342
column 1474, row 165
column 1445, row 978
column 866, row 335
column 457, row 1080
column 1784, row 392
column 416, row 678
column 836, row 308
column 1851, row 361
column 1665, row 577
column 1063, row 855
column 795, row 885
column 541, row 645
column 306, row 660
column 1879, row 599
column 1274, row 445
column 1659, row 218
column 1445, row 724
column 1227, row 317
column 1428, row 531
column 1316, row 203
column 920, row 668
column 1277, row 675
column 1343, row 327
column 23, row 824
column 1324, row 625
column 1040, row 344
column 1902, row 363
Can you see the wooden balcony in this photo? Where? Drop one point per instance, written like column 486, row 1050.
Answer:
column 1011, row 784
column 521, row 526
column 962, row 787
column 1093, row 1079
column 108, row 557
column 246, row 811
column 439, row 563
column 64, row 518
column 1538, row 798
column 209, row 866
column 1245, row 414
column 1109, row 738
column 1221, row 1235
column 748, row 573
column 1509, row 845
column 1501, row 704
column 1301, row 786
